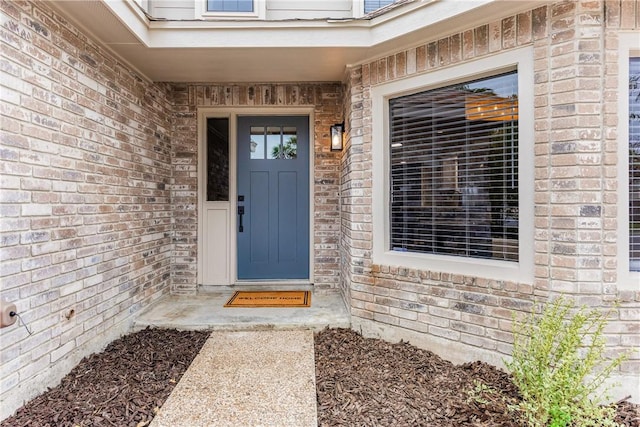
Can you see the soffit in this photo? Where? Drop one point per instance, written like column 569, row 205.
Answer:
column 283, row 51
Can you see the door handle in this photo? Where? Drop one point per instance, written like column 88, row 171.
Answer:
column 240, row 214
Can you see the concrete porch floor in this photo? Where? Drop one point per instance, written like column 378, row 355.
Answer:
column 206, row 310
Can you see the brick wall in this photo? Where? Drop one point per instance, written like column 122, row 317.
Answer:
column 326, row 101
column 355, row 197
column 465, row 317
column 98, row 198
column 576, row 164
column 84, row 204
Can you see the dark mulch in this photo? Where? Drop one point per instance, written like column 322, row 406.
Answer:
column 360, row 382
column 122, row 386
column 369, row 382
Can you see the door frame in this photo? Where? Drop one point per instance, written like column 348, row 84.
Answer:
column 232, row 113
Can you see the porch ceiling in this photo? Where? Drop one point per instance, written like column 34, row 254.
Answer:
column 281, row 51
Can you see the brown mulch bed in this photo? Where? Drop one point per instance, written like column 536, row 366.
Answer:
column 122, row 386
column 369, row 382
column 360, row 382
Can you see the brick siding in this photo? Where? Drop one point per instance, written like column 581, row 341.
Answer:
column 99, row 191
column 86, row 215
column 575, row 187
column 98, row 180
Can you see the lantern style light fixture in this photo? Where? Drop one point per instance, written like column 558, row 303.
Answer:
column 337, row 137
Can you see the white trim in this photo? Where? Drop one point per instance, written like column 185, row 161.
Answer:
column 233, row 113
column 432, row 15
column 357, row 8
column 628, row 45
column 522, row 271
column 259, row 12
column 203, row 115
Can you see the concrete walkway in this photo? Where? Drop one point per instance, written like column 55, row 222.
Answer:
column 256, row 369
column 247, row 378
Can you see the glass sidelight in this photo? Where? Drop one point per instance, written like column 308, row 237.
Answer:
column 217, row 159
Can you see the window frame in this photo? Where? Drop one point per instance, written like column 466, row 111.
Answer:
column 259, row 11
column 628, row 46
column 522, row 271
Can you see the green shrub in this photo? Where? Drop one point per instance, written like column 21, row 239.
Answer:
column 559, row 367
column 478, row 392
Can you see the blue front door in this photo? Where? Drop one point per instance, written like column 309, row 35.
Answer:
column 273, row 197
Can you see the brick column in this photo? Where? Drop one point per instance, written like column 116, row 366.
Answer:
column 570, row 212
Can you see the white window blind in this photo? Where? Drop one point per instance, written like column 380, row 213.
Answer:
column 634, row 164
column 454, row 170
column 371, row 5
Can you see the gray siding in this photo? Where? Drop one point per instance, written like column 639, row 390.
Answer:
column 288, row 9
column 276, row 9
column 172, row 9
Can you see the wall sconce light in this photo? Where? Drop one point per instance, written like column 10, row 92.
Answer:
column 337, row 137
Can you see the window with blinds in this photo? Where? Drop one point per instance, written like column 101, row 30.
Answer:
column 454, row 170
column 634, row 164
column 371, row 5
column 230, row 5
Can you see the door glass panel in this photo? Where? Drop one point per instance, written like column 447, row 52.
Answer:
column 273, row 142
column 217, row 159
column 290, row 142
column 257, row 142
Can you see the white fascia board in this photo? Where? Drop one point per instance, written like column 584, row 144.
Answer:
column 385, row 28
column 131, row 17
column 262, row 38
column 359, row 33
column 446, row 17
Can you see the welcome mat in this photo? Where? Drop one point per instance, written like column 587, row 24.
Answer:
column 270, row 299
